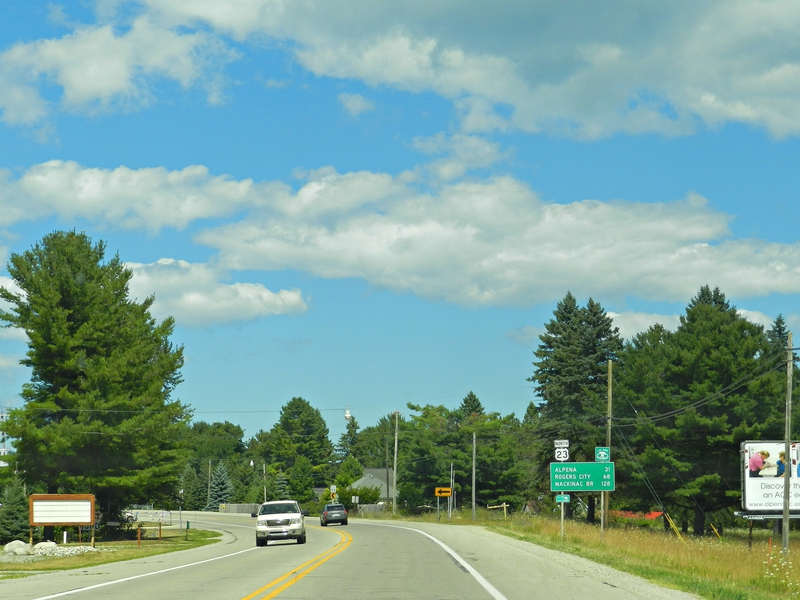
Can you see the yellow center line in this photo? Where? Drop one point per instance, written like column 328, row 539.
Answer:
column 299, row 572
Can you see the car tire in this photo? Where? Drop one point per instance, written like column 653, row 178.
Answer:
column 344, row 522
column 302, row 539
column 323, row 523
column 260, row 543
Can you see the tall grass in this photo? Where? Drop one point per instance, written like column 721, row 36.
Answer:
column 714, row 568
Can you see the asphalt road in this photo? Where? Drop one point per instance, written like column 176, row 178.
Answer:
column 365, row 559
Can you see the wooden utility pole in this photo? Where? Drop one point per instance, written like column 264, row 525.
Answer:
column 787, row 469
column 394, row 482
column 473, row 475
column 604, row 497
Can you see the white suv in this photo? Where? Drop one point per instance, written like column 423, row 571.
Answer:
column 281, row 520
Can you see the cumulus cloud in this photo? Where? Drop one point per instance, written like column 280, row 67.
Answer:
column 631, row 322
column 355, row 104
column 9, row 363
column 477, row 243
column 148, row 198
column 585, row 71
column 97, row 68
column 462, row 153
column 497, row 243
column 193, row 294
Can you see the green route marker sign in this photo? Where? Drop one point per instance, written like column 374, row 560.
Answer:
column 562, row 497
column 582, row 477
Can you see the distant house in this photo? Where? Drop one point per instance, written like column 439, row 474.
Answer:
column 375, row 478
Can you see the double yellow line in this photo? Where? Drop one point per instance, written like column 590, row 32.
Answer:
column 297, row 574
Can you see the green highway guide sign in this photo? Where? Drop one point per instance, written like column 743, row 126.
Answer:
column 582, row 477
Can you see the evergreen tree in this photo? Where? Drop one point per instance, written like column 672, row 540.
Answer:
column 531, row 414
column 219, row 441
column 349, row 471
column 302, row 431
column 301, row 480
column 97, row 415
column 14, row 512
column 470, row 405
column 282, row 489
column 778, row 334
column 691, row 397
column 348, row 441
column 221, row 488
column 570, row 377
column 195, row 492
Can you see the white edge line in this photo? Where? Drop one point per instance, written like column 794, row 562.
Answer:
column 116, row 581
column 493, row 591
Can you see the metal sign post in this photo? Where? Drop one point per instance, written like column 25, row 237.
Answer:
column 562, row 499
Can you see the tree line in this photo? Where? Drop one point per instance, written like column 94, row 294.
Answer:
column 99, row 414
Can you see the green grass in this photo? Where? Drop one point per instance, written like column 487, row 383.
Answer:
column 171, row 540
column 710, row 567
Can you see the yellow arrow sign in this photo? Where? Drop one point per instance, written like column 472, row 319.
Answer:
column 443, row 492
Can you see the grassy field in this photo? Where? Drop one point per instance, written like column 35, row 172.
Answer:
column 171, row 541
column 710, row 567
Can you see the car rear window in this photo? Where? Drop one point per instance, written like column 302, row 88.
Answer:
column 335, row 507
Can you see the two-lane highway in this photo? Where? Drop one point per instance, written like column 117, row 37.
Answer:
column 366, row 559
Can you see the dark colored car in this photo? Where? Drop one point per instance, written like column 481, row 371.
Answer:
column 333, row 513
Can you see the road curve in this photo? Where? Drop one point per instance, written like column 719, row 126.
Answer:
column 366, row 559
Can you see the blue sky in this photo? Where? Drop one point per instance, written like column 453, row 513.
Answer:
column 370, row 205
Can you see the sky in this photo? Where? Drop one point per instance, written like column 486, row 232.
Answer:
column 375, row 204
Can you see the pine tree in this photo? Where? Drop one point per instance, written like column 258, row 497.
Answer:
column 97, row 415
column 221, row 488
column 301, row 480
column 301, row 431
column 470, row 405
column 348, row 441
column 14, row 512
column 195, row 493
column 349, row 471
column 282, row 490
column 570, row 376
column 691, row 397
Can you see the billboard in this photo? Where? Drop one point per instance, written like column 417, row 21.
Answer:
column 61, row 509
column 764, row 469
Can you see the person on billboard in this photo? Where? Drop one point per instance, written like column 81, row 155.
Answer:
column 758, row 462
column 781, row 464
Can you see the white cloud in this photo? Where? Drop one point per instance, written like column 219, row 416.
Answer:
column 9, row 363
column 492, row 242
column 757, row 317
column 99, row 69
column 13, row 333
column 128, row 198
column 12, row 287
column 193, row 294
column 631, row 322
column 462, row 154
column 497, row 243
column 355, row 104
column 585, row 71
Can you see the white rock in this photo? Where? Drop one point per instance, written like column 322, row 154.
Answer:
column 18, row 548
column 46, row 549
